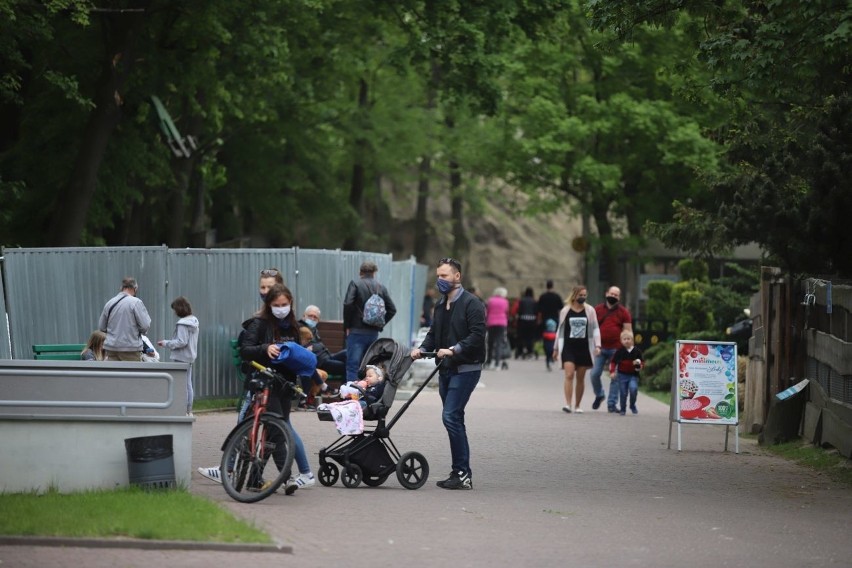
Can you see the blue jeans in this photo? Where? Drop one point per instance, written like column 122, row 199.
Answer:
column 455, row 390
column 301, row 455
column 357, row 343
column 601, row 361
column 627, row 383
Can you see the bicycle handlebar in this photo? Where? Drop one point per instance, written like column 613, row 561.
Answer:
column 271, row 373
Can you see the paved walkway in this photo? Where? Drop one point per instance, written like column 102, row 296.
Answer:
column 551, row 489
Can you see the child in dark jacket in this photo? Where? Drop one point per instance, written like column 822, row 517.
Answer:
column 625, row 367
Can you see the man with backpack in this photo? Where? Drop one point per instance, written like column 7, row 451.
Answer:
column 367, row 308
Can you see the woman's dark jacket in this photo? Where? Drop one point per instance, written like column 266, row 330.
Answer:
column 258, row 333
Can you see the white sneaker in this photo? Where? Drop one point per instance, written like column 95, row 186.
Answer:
column 305, row 480
column 301, row 481
column 566, row 409
column 578, row 410
column 211, row 473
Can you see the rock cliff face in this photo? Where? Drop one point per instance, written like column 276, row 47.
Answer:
column 507, row 248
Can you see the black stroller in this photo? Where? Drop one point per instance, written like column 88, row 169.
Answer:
column 372, row 457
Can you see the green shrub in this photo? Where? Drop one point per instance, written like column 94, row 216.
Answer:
column 693, row 269
column 676, row 303
column 659, row 362
column 695, row 314
column 659, row 300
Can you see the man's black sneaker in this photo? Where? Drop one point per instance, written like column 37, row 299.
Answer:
column 456, row 480
column 597, row 403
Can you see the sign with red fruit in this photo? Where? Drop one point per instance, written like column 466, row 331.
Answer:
column 706, row 382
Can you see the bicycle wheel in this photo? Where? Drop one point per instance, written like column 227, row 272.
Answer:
column 254, row 471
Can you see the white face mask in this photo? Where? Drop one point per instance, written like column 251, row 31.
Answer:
column 281, row 312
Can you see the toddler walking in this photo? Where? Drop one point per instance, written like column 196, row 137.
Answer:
column 625, row 367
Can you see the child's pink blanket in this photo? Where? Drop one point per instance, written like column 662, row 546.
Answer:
column 348, row 416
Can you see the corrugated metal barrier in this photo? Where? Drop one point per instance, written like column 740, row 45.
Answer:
column 56, row 295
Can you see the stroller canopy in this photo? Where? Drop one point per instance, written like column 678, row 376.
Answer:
column 395, row 358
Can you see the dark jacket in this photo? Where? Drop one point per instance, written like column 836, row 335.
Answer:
column 466, row 328
column 357, row 294
column 257, row 335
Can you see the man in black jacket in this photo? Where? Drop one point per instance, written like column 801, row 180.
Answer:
column 359, row 335
column 457, row 336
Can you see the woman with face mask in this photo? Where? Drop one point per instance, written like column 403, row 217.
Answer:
column 579, row 341
column 276, row 323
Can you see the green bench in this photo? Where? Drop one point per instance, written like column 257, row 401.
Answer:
column 58, row 351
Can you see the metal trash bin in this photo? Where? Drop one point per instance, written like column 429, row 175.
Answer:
column 150, row 462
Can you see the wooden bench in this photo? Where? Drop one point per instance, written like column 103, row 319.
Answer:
column 58, row 351
column 332, row 336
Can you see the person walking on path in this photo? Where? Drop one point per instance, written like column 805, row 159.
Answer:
column 579, row 341
column 527, row 327
column 547, row 309
column 613, row 318
column 549, row 305
column 184, row 343
column 273, row 325
column 625, row 366
column 360, row 335
column 497, row 320
column 124, row 319
column 457, row 336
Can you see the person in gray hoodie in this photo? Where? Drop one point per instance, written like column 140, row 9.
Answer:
column 184, row 342
column 124, row 320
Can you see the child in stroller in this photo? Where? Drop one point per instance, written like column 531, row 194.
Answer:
column 368, row 390
column 369, row 455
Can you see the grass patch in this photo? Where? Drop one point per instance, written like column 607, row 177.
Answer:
column 128, row 513
column 215, row 404
column 803, row 453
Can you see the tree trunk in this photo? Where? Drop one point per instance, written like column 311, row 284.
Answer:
column 73, row 204
column 183, row 169
column 461, row 242
column 609, row 256
column 421, row 217
column 356, row 190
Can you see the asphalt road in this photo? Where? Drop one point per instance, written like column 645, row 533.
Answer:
column 550, row 489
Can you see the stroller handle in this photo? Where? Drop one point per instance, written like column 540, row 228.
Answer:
column 428, row 354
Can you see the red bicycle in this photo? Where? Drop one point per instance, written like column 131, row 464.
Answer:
column 258, row 453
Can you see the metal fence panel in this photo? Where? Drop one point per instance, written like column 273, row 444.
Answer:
column 5, row 344
column 57, row 295
column 318, row 282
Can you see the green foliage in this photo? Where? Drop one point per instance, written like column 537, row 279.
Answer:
column 677, row 293
column 782, row 68
column 693, row 269
column 658, row 306
column 659, row 361
column 695, row 313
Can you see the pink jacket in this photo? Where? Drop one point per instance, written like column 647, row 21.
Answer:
column 497, row 311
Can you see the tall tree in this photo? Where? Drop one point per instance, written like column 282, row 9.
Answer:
column 605, row 131
column 784, row 68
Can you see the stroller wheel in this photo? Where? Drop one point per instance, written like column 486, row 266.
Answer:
column 412, row 470
column 328, row 474
column 351, row 476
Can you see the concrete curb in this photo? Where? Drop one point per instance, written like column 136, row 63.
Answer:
column 141, row 544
